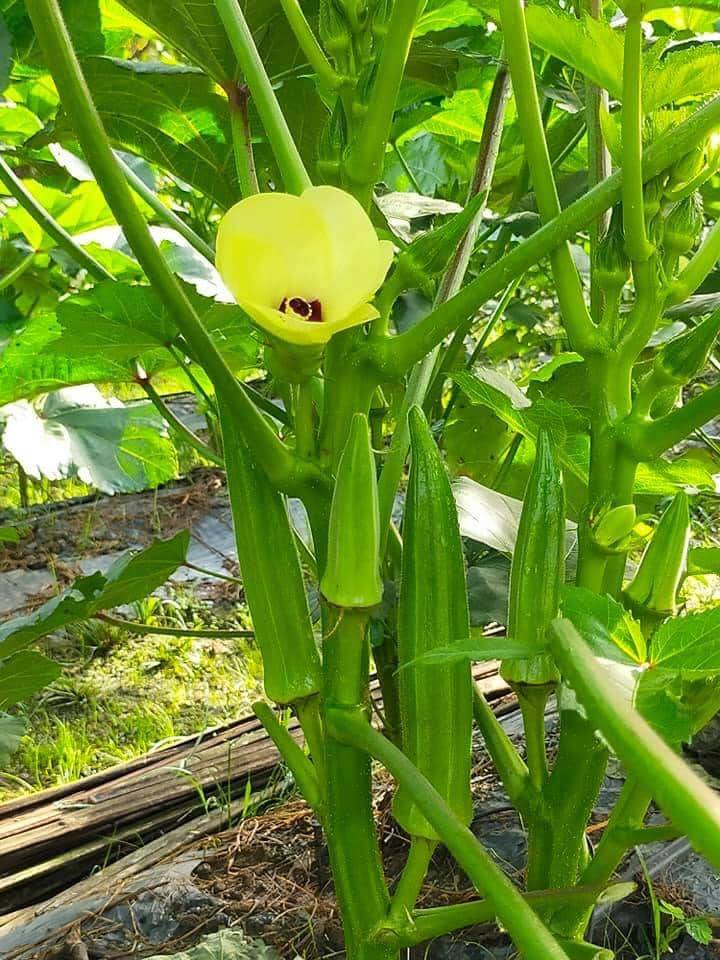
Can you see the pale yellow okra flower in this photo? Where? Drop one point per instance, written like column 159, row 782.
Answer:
column 302, row 267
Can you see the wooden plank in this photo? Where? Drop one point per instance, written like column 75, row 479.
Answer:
column 86, row 818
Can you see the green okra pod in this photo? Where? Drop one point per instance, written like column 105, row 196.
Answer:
column 657, row 579
column 435, row 698
column 271, row 573
column 538, row 568
column 352, row 572
column 683, row 357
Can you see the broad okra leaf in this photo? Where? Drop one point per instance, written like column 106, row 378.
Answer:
column 131, row 577
column 595, row 49
column 97, row 335
column 568, row 428
column 675, row 684
column 78, row 432
column 22, row 675
column 170, row 115
column 11, row 730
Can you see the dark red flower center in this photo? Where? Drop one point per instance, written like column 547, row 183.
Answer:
column 310, row 310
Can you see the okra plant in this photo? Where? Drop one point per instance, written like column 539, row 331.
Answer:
column 593, row 608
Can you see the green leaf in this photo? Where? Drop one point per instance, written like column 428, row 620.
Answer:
column 28, row 367
column 194, row 28
column 99, row 332
column 595, row 49
column 689, row 645
column 449, row 16
column 675, row 706
column 79, row 210
column 77, row 432
column 170, row 115
column 5, row 54
column 702, row 560
column 23, row 674
column 590, row 46
column 691, row 72
column 699, row 929
column 606, row 626
column 477, row 647
column 11, row 731
column 134, row 575
column 82, row 18
column 675, row 702
column 17, row 123
column 568, row 428
column 492, row 518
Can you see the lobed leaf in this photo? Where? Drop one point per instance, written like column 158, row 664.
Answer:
column 131, row 577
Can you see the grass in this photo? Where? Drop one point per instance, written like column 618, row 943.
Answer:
column 121, row 696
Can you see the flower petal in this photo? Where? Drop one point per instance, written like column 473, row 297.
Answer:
column 271, row 246
column 359, row 261
column 293, row 329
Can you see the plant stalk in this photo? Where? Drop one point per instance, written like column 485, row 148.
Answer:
column 252, row 68
column 527, row 931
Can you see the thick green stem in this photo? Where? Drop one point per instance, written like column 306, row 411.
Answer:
column 290, row 750
column 509, row 764
column 596, row 100
column 436, row 921
column 533, row 700
column 363, row 167
column 638, row 246
column 238, row 96
column 304, row 421
column 350, row 826
column 682, row 795
column 51, row 227
column 570, row 296
column 700, row 265
column 281, row 466
column 411, row 880
column 521, row 922
column 648, row 439
column 392, row 356
column 569, row 798
column 164, row 213
column 309, row 45
column 253, row 70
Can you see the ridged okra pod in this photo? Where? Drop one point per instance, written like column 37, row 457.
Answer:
column 352, row 572
column 271, row 573
column 435, row 698
column 653, row 589
column 538, row 568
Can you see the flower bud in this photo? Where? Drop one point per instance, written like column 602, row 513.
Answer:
column 687, row 167
column 614, row 525
column 683, row 225
column 657, row 579
column 352, row 574
column 612, row 267
column 652, row 198
column 685, row 356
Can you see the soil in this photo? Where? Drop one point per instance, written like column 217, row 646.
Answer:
column 99, row 525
